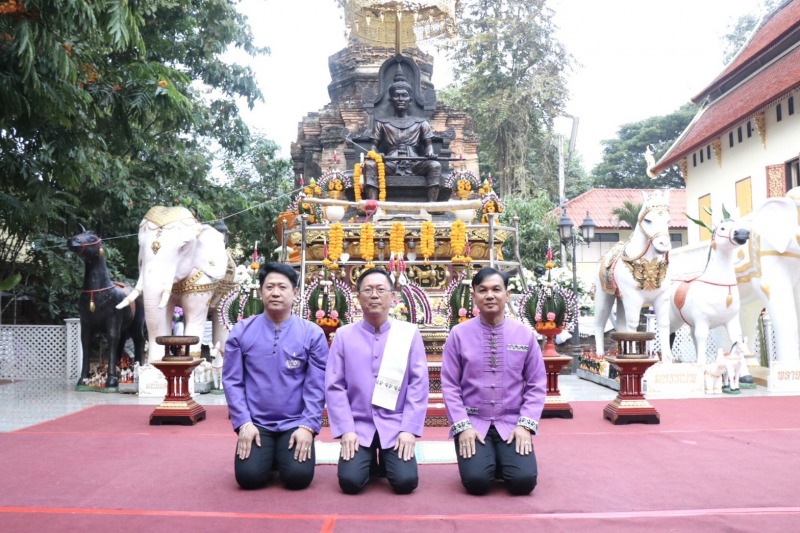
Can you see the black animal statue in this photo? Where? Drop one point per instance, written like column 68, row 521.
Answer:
column 98, row 311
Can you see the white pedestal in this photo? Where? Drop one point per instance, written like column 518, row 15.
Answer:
column 784, row 376
column 674, row 380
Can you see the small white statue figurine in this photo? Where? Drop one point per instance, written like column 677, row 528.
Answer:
column 713, row 374
column 216, row 365
column 734, row 360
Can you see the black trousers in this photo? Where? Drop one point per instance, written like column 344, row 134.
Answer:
column 494, row 460
column 273, row 454
column 354, row 474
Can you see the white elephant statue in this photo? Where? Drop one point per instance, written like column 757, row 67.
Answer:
column 770, row 270
column 181, row 262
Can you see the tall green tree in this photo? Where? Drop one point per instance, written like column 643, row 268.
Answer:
column 106, row 109
column 510, row 77
column 538, row 226
column 739, row 30
column 623, row 164
column 628, row 212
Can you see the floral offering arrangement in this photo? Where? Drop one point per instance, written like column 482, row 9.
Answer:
column 458, row 296
column 463, row 183
column 243, row 301
column 490, row 204
column 412, row 305
column 334, row 181
column 328, row 302
column 301, row 207
column 547, row 306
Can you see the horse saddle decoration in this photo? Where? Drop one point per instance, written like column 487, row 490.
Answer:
column 648, row 274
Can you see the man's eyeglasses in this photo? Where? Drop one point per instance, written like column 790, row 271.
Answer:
column 369, row 291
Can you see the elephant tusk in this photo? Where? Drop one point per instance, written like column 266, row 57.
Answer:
column 165, row 298
column 128, row 299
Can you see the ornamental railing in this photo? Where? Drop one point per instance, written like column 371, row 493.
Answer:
column 41, row 352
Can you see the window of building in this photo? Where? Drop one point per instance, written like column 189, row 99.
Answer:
column 708, row 152
column 606, row 237
column 749, row 129
column 744, row 196
column 730, row 139
column 790, row 105
column 792, row 171
column 701, row 156
column 778, row 112
column 704, row 204
column 739, row 133
column 677, row 239
column 694, row 160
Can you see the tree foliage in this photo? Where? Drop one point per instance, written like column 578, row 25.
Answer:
column 510, row 79
column 628, row 212
column 623, row 164
column 740, row 29
column 108, row 108
column 538, row 226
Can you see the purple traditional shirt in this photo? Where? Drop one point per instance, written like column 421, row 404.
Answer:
column 274, row 375
column 353, row 363
column 493, row 375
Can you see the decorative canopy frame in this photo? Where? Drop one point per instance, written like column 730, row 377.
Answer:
column 398, row 23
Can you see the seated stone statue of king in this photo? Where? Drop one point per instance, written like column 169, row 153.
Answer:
column 405, row 141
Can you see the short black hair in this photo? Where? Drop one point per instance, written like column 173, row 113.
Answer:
column 370, row 271
column 277, row 268
column 485, row 272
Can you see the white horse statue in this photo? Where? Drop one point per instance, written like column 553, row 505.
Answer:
column 711, row 299
column 641, row 281
column 713, row 374
column 734, row 365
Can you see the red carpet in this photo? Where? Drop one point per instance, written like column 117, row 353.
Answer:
column 715, row 464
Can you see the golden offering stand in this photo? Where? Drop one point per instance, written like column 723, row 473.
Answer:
column 632, row 362
column 178, row 407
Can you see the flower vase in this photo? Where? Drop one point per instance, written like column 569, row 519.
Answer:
column 178, row 329
column 549, row 345
column 335, row 195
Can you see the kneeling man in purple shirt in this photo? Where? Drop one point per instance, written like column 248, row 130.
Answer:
column 377, row 391
column 493, row 382
column 274, row 377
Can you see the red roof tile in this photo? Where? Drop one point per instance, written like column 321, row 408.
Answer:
column 753, row 96
column 779, row 24
column 599, row 203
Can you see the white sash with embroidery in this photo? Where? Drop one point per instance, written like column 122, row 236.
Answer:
column 393, row 365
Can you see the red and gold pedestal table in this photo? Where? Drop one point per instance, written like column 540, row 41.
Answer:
column 178, row 407
column 630, row 404
column 554, row 404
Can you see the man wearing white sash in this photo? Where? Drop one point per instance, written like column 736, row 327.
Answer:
column 376, row 386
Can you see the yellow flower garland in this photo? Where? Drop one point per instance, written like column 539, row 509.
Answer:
column 397, row 239
column 336, row 244
column 426, row 240
column 381, row 174
column 357, row 181
column 458, row 239
column 368, row 243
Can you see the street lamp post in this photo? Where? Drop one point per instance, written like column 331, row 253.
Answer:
column 569, row 237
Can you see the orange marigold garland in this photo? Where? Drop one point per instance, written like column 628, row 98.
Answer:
column 336, row 244
column 397, row 248
column 368, row 244
column 426, row 238
column 357, row 181
column 458, row 239
column 381, row 174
